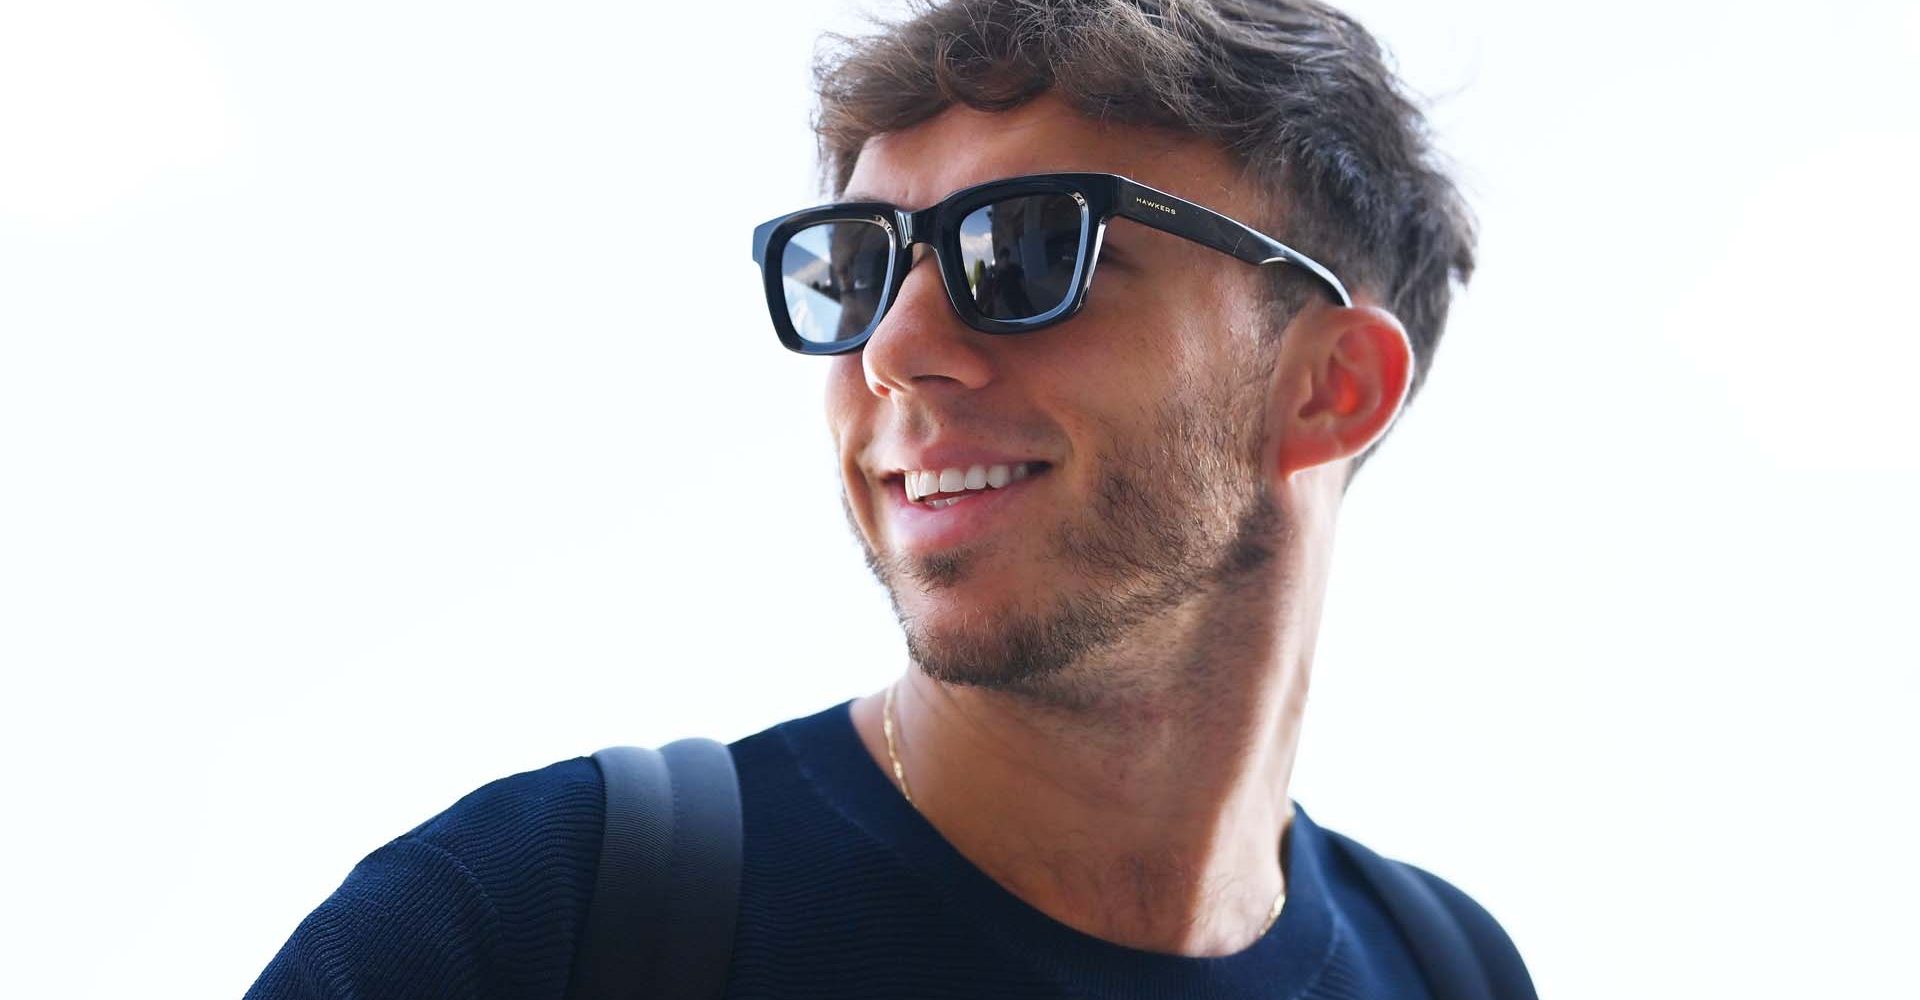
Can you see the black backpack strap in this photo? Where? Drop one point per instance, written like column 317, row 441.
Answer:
column 660, row 925
column 1446, row 955
column 706, row 871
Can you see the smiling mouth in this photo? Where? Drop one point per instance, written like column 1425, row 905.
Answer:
column 938, row 488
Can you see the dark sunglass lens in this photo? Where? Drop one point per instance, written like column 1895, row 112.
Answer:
column 835, row 275
column 1022, row 254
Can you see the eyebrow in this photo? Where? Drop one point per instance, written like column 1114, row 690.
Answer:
column 863, row 196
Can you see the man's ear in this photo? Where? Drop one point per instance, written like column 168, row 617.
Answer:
column 1343, row 377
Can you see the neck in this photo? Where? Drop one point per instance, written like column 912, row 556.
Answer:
column 1149, row 813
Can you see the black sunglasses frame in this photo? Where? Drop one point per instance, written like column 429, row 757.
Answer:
column 1101, row 198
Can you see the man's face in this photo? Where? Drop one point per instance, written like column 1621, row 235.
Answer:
column 1142, row 417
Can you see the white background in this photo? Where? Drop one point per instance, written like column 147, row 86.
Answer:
column 386, row 405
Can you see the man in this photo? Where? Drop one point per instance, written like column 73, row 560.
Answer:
column 1103, row 510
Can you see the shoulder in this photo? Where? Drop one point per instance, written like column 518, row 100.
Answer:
column 561, row 800
column 484, row 899
column 1402, row 887
column 1498, row 954
column 529, row 842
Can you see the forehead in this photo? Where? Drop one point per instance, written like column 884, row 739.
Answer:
column 960, row 147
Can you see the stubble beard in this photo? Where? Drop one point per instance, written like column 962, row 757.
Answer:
column 1175, row 518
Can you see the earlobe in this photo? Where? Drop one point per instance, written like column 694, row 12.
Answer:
column 1352, row 373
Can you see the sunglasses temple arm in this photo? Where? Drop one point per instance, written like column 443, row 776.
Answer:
column 1183, row 218
column 1284, row 254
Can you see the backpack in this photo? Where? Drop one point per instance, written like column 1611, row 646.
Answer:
column 661, row 921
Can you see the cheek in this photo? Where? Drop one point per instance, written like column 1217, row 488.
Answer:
column 1138, row 343
column 1145, row 350
column 846, row 397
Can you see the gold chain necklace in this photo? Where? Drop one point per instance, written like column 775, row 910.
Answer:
column 888, row 726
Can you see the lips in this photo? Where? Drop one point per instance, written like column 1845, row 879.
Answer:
column 943, row 518
column 940, row 488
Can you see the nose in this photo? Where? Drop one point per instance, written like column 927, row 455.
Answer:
column 921, row 345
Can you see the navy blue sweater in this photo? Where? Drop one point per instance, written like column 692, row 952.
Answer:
column 847, row 892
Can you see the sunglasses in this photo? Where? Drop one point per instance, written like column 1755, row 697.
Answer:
column 1016, row 255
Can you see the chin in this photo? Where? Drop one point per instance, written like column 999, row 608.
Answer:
column 1023, row 644
column 968, row 608
column 997, row 654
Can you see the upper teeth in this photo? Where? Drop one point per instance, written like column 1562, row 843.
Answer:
column 926, row 482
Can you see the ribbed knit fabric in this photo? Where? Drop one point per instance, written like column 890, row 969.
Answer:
column 847, row 893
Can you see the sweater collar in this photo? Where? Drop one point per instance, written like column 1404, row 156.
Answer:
column 1292, row 952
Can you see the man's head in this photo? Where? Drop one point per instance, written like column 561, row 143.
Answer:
column 1168, row 425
